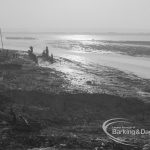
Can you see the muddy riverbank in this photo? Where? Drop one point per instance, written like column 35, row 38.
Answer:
column 65, row 110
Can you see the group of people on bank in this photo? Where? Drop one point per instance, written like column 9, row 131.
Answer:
column 45, row 55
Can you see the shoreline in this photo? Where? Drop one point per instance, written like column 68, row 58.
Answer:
column 69, row 76
column 60, row 114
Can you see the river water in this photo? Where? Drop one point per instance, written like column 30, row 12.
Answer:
column 129, row 53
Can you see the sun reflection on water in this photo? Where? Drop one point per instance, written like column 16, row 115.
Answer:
column 78, row 37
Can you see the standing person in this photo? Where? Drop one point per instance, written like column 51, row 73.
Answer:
column 32, row 55
column 52, row 58
column 47, row 51
column 31, row 49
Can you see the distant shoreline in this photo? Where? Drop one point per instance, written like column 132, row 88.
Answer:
column 85, row 33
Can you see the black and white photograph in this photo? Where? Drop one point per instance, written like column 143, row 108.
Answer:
column 74, row 75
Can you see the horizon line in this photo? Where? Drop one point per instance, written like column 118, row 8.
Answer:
column 78, row 32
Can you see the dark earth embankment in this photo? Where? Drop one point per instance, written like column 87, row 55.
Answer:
column 67, row 120
column 38, row 110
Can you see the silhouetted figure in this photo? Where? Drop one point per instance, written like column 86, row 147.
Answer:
column 30, row 51
column 46, row 56
column 32, row 55
column 52, row 58
column 47, row 51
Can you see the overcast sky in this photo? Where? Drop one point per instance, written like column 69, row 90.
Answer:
column 76, row 15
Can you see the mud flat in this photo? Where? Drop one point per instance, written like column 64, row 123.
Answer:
column 59, row 113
